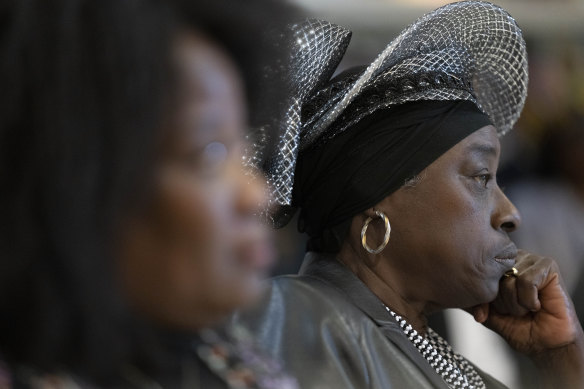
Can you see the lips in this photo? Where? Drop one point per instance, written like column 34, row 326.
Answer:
column 258, row 255
column 255, row 249
column 507, row 256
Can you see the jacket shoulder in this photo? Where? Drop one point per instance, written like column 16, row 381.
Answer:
column 306, row 324
column 324, row 340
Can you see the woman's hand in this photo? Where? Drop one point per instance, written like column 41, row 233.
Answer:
column 535, row 315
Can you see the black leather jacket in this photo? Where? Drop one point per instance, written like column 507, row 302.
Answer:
column 331, row 331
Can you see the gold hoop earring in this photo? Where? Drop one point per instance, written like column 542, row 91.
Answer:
column 385, row 238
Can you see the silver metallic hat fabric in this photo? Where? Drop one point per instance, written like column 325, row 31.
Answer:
column 468, row 50
column 318, row 47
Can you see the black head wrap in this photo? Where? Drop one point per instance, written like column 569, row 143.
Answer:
column 358, row 168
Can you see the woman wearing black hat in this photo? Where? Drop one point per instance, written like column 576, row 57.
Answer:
column 393, row 167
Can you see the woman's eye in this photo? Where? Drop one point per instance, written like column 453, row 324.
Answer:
column 214, row 156
column 483, row 179
column 215, row 153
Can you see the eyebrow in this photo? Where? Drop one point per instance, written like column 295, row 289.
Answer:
column 482, row 148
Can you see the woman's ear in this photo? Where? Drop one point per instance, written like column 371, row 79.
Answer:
column 370, row 212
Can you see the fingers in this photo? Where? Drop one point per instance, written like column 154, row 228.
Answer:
column 480, row 312
column 519, row 295
column 530, row 280
column 507, row 302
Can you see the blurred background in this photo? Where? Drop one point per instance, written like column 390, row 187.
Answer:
column 542, row 166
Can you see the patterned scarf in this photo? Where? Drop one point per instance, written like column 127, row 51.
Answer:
column 454, row 369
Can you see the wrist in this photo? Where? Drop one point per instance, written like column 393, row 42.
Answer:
column 562, row 366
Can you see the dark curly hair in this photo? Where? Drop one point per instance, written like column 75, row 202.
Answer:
column 84, row 85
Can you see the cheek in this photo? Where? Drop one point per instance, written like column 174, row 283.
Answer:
column 461, row 242
column 462, row 237
column 441, row 221
column 464, row 222
column 195, row 217
column 186, row 261
column 445, row 231
column 177, row 257
column 197, row 232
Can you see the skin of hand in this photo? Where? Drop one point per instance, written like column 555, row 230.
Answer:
column 535, row 315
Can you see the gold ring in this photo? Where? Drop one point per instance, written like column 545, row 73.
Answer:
column 511, row 273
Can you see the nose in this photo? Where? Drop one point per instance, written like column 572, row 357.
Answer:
column 252, row 191
column 505, row 217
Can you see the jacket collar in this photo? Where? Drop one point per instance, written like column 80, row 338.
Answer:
column 326, row 268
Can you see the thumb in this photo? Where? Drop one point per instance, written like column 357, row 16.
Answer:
column 480, row 312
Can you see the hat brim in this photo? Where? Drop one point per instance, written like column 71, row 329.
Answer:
column 469, row 50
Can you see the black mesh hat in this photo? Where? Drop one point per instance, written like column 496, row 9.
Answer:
column 469, row 50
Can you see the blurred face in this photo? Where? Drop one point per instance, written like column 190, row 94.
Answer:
column 196, row 252
column 449, row 244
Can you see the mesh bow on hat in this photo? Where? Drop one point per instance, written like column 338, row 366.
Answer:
column 469, row 50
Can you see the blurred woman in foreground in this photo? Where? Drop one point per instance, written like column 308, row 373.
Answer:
column 128, row 223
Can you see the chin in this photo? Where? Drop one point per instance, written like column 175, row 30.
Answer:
column 489, row 294
column 474, row 297
column 242, row 293
column 250, row 293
